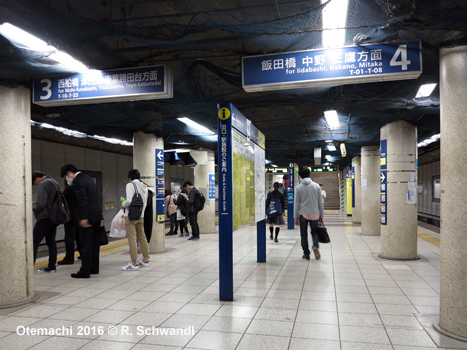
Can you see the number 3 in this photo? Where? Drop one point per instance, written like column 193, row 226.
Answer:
column 402, row 51
column 46, row 88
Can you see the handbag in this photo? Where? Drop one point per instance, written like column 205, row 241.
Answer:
column 103, row 239
column 117, row 227
column 323, row 233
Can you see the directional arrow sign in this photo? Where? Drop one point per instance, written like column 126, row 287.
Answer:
column 382, row 177
column 160, row 155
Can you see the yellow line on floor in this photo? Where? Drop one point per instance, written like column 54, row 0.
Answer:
column 428, row 238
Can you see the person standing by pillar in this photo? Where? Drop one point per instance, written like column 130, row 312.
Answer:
column 308, row 210
column 276, row 220
column 89, row 217
column 44, row 226
column 192, row 212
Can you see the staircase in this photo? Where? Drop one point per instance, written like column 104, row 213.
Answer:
column 330, row 182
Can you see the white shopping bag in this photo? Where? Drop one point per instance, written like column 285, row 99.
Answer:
column 117, row 228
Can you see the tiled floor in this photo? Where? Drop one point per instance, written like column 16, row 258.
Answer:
column 348, row 300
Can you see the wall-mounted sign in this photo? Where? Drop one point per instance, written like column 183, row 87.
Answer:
column 347, row 65
column 212, row 186
column 160, row 186
column 143, row 83
column 384, row 183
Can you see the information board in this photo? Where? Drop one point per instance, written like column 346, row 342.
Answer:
column 160, row 186
column 346, row 65
column 212, row 186
column 384, row 183
column 142, row 83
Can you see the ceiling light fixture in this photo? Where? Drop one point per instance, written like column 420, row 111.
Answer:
column 426, row 142
column 332, row 119
column 331, row 148
column 343, row 150
column 425, row 90
column 24, row 40
column 334, row 16
column 196, row 126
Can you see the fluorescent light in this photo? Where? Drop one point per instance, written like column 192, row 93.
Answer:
column 425, row 90
column 24, row 40
column 334, row 16
column 274, row 165
column 328, row 141
column 195, row 125
column 331, row 148
column 343, row 150
column 426, row 142
column 331, row 119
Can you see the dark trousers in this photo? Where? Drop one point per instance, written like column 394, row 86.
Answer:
column 46, row 228
column 304, row 233
column 194, row 224
column 173, row 223
column 182, row 224
column 89, row 238
column 70, row 236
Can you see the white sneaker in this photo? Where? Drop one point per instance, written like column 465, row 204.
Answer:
column 143, row 264
column 139, row 257
column 149, row 259
column 130, row 267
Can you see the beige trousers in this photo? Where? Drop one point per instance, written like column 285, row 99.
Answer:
column 135, row 231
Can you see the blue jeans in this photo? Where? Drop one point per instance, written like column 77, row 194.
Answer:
column 304, row 234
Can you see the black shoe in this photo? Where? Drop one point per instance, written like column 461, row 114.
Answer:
column 79, row 275
column 46, row 269
column 65, row 262
column 191, row 238
column 306, row 257
column 276, row 240
column 196, row 239
column 270, row 236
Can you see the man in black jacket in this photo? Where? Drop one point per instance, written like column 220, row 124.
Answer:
column 89, row 216
column 192, row 212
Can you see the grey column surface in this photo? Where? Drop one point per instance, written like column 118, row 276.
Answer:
column 357, row 210
column 453, row 93
column 370, row 157
column 206, row 217
column 399, row 236
column 144, row 159
column 16, row 225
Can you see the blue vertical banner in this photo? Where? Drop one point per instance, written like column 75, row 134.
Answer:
column 353, row 187
column 384, row 182
column 225, row 176
column 212, row 186
column 160, row 186
column 290, row 198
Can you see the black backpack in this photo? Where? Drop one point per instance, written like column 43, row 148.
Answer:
column 274, row 208
column 59, row 213
column 136, row 207
column 199, row 202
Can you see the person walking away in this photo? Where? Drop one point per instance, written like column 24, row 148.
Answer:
column 44, row 227
column 277, row 220
column 89, row 217
column 71, row 227
column 135, row 227
column 308, row 210
column 181, row 202
column 192, row 212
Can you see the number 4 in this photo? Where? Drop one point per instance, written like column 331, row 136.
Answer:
column 402, row 51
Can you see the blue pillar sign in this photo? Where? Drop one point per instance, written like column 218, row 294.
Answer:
column 225, row 169
column 212, row 186
column 160, row 186
column 384, row 183
column 290, row 198
column 353, row 187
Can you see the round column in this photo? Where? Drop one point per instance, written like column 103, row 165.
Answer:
column 207, row 216
column 370, row 191
column 453, row 298
column 144, row 159
column 399, row 231
column 357, row 191
column 17, row 276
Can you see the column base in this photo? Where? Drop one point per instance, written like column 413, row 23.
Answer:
column 34, row 298
column 401, row 259
column 447, row 333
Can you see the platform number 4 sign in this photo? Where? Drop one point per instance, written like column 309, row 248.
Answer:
column 403, row 61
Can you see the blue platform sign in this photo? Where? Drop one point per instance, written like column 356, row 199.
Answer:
column 142, row 83
column 346, row 65
column 290, row 198
column 160, row 186
column 383, row 182
column 212, row 186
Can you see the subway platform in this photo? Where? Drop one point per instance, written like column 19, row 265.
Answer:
column 348, row 300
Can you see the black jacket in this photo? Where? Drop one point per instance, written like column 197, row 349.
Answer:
column 70, row 197
column 278, row 195
column 88, row 204
column 192, row 195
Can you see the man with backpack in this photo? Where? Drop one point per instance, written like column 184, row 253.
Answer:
column 195, row 204
column 134, row 207
column 44, row 226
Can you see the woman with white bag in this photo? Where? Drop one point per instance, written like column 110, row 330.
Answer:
column 181, row 203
